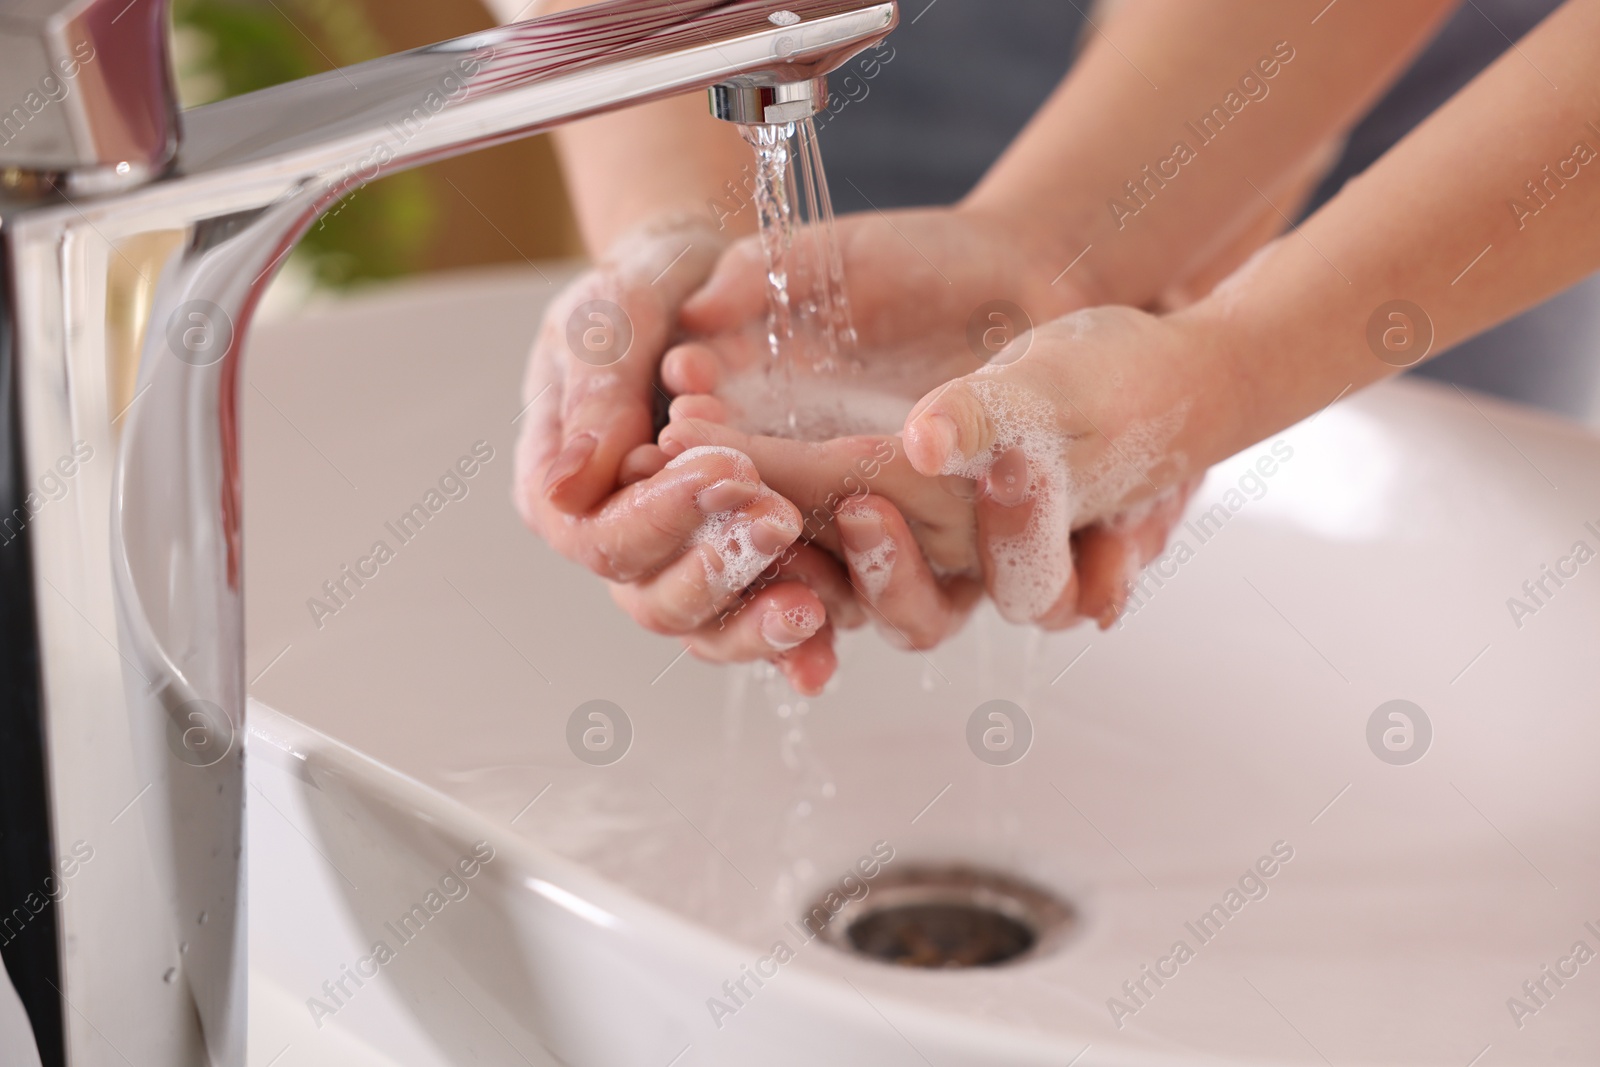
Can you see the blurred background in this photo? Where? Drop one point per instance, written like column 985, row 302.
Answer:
column 501, row 205
column 925, row 139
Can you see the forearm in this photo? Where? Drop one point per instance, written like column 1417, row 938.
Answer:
column 668, row 158
column 1182, row 120
column 1489, row 207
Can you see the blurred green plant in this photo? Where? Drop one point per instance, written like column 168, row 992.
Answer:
column 227, row 47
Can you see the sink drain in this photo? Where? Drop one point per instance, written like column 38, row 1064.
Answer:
column 939, row 917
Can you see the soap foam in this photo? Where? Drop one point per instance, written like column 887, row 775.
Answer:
column 812, row 408
column 690, row 455
column 727, row 533
column 803, row 617
column 874, row 567
column 1031, row 569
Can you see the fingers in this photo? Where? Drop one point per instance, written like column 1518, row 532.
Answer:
column 1066, row 612
column 703, row 408
column 790, row 621
column 1026, row 547
column 771, row 623
column 643, row 462
column 819, row 477
column 705, row 497
column 607, row 334
column 964, row 426
column 692, row 367
column 947, row 428
column 713, row 364
column 783, row 625
column 1110, row 555
column 911, row 608
column 809, row 667
column 1106, row 559
column 826, row 577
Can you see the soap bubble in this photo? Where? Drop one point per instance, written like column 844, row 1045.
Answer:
column 999, row 732
column 599, row 732
column 1399, row 732
column 1400, row 333
column 599, row 332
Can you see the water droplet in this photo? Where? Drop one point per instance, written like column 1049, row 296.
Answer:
column 172, row 973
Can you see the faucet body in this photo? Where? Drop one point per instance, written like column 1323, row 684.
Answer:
column 135, row 244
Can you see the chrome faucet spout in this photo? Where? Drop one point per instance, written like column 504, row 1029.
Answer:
column 135, row 245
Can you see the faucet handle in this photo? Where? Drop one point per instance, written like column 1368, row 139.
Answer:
column 86, row 91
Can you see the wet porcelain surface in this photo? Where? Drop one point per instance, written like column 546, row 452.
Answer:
column 1229, row 714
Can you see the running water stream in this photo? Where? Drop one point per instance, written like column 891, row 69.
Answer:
column 809, row 329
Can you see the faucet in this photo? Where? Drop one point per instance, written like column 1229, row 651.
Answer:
column 135, row 243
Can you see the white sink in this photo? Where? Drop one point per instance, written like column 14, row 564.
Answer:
column 1228, row 714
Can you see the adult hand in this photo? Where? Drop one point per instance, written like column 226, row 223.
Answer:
column 932, row 293
column 937, row 295
column 680, row 543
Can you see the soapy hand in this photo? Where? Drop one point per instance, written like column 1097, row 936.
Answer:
column 927, row 287
column 914, row 280
column 678, row 542
column 1097, row 425
column 907, row 540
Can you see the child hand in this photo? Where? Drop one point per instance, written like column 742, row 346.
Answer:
column 907, row 541
column 1099, row 423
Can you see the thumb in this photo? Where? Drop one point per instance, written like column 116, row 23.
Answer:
column 965, row 425
column 947, row 429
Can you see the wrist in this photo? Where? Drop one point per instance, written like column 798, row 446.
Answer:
column 1228, row 370
column 1280, row 341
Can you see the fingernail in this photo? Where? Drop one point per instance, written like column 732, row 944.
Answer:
column 571, row 460
column 861, row 531
column 934, row 435
column 783, row 633
column 769, row 538
column 959, row 487
column 1007, row 481
column 726, row 496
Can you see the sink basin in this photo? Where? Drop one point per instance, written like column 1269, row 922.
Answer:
column 1354, row 880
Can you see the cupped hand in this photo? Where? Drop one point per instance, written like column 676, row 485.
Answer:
column 590, row 384
column 937, row 295
column 681, row 543
column 1101, row 423
column 908, row 541
column 934, row 294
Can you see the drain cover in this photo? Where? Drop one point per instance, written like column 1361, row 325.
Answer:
column 938, row 917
